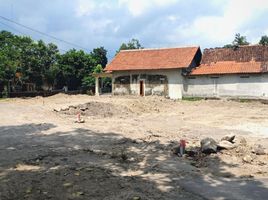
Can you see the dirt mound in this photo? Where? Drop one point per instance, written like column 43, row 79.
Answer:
column 96, row 109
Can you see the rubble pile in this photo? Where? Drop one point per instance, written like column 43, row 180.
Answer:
column 229, row 145
column 94, row 109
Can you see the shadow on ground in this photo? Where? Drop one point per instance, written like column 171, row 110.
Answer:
column 82, row 164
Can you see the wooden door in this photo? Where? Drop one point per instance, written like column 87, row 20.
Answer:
column 142, row 88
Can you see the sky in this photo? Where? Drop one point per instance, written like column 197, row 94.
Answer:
column 155, row 23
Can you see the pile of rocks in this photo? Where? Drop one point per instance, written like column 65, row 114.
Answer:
column 228, row 142
column 209, row 145
column 232, row 145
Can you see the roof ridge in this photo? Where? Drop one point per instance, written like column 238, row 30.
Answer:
column 240, row 46
column 161, row 48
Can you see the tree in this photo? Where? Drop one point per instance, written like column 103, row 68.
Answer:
column 238, row 41
column 89, row 81
column 74, row 66
column 264, row 40
column 132, row 44
column 9, row 58
column 36, row 59
column 41, row 64
column 51, row 76
column 100, row 56
column 31, row 59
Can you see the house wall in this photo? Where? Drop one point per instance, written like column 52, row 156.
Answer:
column 156, row 82
column 253, row 85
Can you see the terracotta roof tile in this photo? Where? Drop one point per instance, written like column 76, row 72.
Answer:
column 242, row 59
column 147, row 59
column 230, row 67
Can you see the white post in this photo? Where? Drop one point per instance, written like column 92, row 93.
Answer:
column 97, row 87
column 101, row 86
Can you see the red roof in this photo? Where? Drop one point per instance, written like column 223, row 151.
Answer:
column 230, row 67
column 148, row 59
column 238, row 60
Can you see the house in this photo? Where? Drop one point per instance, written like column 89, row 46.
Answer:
column 152, row 71
column 230, row 72
column 175, row 72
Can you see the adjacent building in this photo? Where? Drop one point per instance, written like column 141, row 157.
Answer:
column 230, row 72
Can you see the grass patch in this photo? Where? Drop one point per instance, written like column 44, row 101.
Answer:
column 3, row 99
column 192, row 98
column 243, row 100
column 263, row 101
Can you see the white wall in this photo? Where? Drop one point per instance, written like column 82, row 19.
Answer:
column 175, row 81
column 256, row 86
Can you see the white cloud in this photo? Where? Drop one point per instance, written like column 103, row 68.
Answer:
column 155, row 23
column 173, row 18
column 98, row 26
column 139, row 7
column 85, row 7
column 88, row 7
column 220, row 29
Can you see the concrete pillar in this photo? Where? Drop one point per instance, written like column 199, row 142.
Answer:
column 101, row 86
column 113, row 79
column 97, row 87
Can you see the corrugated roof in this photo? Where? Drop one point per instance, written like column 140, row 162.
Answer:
column 148, row 59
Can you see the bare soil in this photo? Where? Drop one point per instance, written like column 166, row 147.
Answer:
column 124, row 148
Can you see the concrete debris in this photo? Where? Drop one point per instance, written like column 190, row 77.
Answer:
column 229, row 138
column 258, row 150
column 192, row 152
column 224, row 144
column 240, row 141
column 176, row 150
column 247, row 159
column 208, row 145
column 95, row 109
column 80, row 121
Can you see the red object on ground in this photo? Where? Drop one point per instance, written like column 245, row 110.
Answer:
column 78, row 117
column 183, row 143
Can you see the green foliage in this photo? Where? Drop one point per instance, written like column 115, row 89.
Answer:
column 74, row 66
column 264, row 40
column 41, row 64
column 50, row 75
column 98, row 69
column 32, row 59
column 107, row 82
column 100, row 56
column 88, row 82
column 238, row 41
column 132, row 44
column 192, row 98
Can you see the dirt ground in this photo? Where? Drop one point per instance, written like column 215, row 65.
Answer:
column 124, row 148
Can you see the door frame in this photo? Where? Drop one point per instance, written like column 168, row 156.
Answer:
column 142, row 87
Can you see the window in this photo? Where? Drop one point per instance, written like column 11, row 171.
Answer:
column 191, row 77
column 214, row 77
column 244, row 76
column 162, row 80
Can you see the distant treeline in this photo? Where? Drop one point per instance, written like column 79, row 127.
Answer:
column 34, row 66
column 26, row 65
